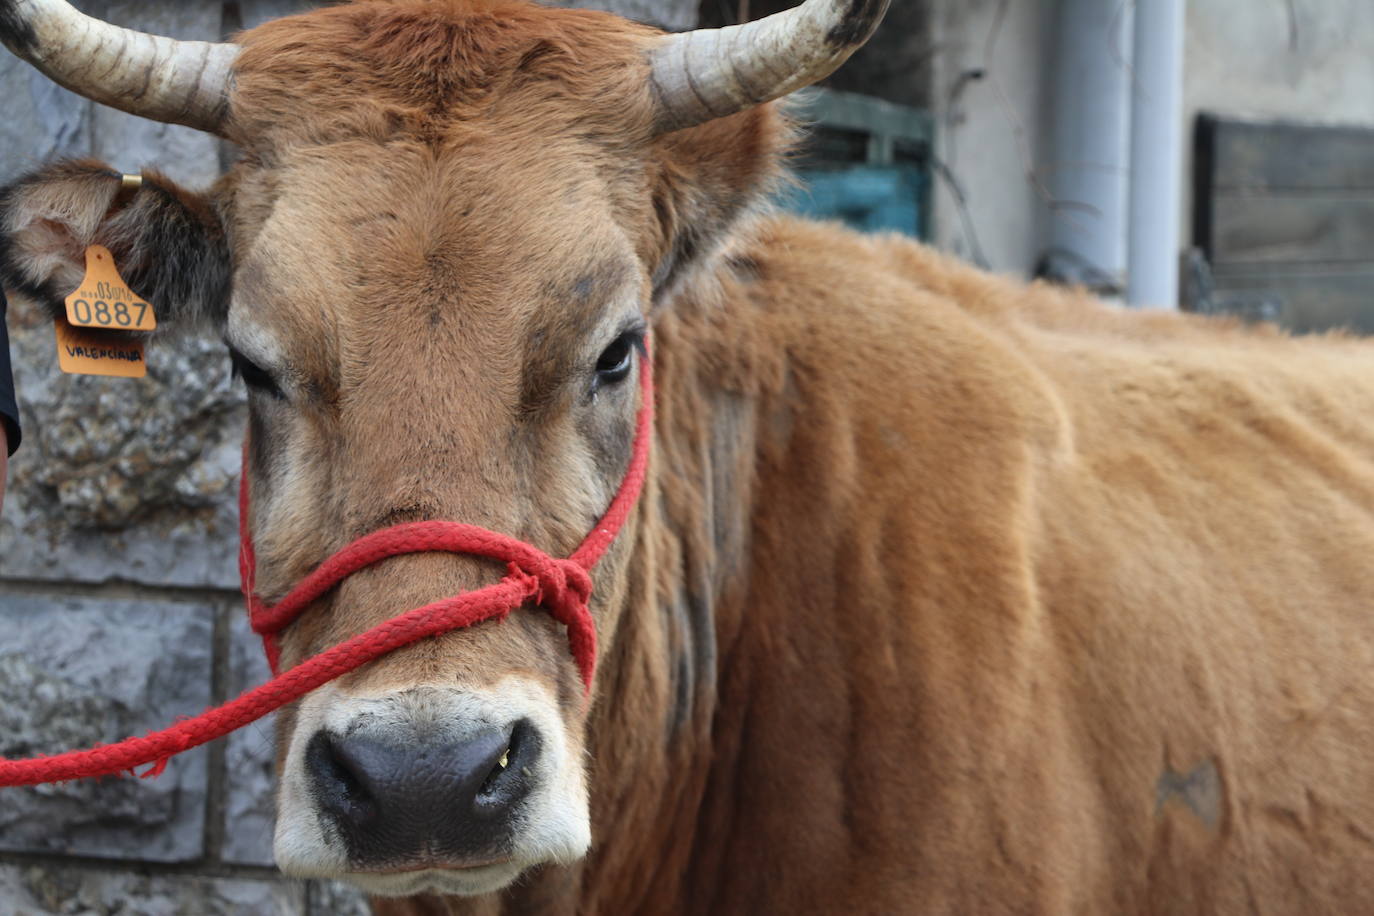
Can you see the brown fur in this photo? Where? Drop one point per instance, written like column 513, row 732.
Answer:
column 946, row 594
column 1016, row 559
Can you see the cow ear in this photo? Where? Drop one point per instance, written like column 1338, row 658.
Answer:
column 168, row 244
column 711, row 177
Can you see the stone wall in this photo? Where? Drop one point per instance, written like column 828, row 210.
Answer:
column 118, row 574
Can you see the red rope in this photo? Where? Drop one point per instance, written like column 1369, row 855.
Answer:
column 562, row 587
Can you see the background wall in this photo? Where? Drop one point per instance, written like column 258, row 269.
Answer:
column 1308, row 61
column 990, row 94
column 1305, row 60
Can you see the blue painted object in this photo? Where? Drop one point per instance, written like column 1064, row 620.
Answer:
column 871, row 198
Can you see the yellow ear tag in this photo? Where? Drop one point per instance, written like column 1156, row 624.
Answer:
column 83, row 351
column 88, row 342
column 104, row 300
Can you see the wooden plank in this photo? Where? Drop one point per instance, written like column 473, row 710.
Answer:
column 1285, row 213
column 1318, row 300
column 1291, row 229
column 1252, row 156
column 850, row 111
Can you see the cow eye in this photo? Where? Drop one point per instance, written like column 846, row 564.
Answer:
column 253, row 375
column 614, row 364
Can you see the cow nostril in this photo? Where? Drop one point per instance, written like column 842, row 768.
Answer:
column 511, row 777
column 501, row 766
column 340, row 789
column 421, row 799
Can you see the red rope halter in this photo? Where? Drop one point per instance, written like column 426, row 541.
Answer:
column 563, row 587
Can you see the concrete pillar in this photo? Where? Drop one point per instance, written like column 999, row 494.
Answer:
column 1156, row 178
column 1092, row 122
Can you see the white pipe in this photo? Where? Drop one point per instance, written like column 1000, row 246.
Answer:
column 1092, row 129
column 1156, row 153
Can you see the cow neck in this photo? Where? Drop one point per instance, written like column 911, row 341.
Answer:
column 687, row 578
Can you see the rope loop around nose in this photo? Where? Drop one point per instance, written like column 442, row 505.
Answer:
column 563, row 587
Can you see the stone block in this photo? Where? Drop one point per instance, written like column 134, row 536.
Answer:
column 333, row 898
column 123, row 479
column 42, row 120
column 79, row 671
column 250, row 770
column 256, row 12
column 30, row 890
column 673, row 15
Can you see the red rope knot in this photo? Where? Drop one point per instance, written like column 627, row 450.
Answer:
column 564, row 588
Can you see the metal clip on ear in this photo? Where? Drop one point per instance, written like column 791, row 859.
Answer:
column 128, row 187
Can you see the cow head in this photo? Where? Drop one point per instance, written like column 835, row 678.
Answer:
column 434, row 265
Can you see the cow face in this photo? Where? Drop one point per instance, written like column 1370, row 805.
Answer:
column 434, row 266
column 424, row 366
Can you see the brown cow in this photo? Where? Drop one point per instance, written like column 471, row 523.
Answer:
column 946, row 594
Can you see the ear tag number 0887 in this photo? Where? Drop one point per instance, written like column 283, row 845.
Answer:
column 104, row 300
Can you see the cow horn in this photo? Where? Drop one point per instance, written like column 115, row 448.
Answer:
column 181, row 82
column 710, row 73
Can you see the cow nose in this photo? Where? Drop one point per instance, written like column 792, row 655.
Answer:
column 423, row 802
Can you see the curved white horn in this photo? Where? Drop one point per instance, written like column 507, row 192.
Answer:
column 710, row 73
column 182, row 82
